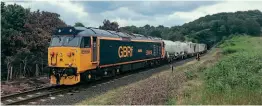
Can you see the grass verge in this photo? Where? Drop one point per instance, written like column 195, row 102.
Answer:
column 230, row 74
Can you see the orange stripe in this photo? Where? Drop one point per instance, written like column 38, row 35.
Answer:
column 146, row 41
column 109, row 38
column 127, row 62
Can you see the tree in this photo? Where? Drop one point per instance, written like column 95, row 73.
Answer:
column 107, row 25
column 155, row 33
column 9, row 61
column 13, row 18
column 25, row 35
column 253, row 27
column 79, row 24
column 208, row 29
column 176, row 36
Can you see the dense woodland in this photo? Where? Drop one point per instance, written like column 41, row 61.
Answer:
column 25, row 35
column 24, row 40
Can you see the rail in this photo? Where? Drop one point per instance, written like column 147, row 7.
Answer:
column 25, row 97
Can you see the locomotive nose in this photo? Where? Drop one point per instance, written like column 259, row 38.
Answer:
column 62, row 57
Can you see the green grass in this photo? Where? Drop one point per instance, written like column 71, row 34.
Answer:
column 171, row 101
column 236, row 78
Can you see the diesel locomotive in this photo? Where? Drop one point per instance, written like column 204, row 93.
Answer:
column 82, row 54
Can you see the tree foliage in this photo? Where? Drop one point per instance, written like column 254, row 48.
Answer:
column 25, row 38
column 107, row 25
column 79, row 24
column 209, row 29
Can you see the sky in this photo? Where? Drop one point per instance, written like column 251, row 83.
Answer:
column 138, row 13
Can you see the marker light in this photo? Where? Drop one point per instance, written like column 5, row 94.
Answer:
column 70, row 64
column 52, row 54
column 69, row 54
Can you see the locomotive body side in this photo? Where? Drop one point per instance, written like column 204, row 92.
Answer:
column 114, row 52
column 117, row 55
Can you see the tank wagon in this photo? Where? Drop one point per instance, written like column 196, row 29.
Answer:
column 181, row 50
column 202, row 48
column 84, row 54
column 191, row 48
column 172, row 50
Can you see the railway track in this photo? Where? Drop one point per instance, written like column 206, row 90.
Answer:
column 37, row 94
column 28, row 96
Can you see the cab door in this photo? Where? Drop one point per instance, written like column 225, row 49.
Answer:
column 94, row 49
column 85, row 54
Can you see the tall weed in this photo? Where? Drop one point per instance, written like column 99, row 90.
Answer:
column 239, row 70
column 237, row 77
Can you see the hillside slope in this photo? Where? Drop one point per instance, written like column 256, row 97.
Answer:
column 234, row 79
column 213, row 28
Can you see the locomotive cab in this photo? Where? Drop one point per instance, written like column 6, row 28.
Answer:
column 69, row 55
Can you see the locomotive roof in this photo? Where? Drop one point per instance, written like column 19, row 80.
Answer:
column 89, row 31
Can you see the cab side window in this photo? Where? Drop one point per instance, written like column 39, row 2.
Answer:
column 85, row 43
